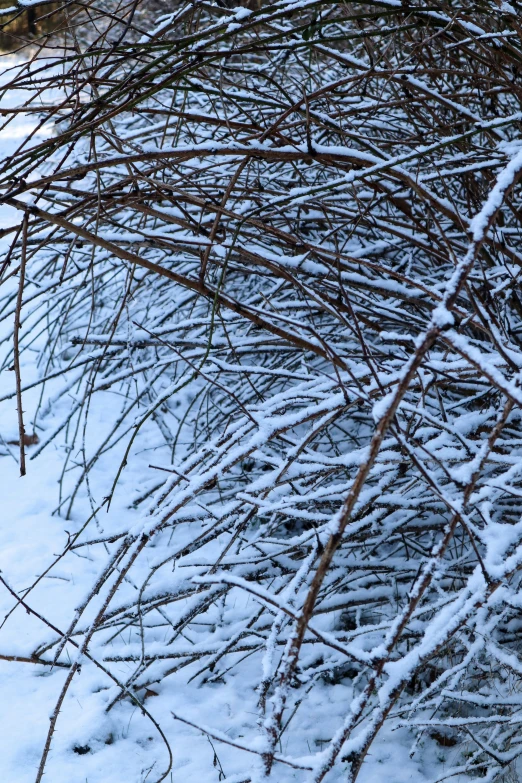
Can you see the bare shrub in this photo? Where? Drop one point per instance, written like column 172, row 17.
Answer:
column 299, row 226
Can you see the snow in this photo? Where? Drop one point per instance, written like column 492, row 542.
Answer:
column 165, row 564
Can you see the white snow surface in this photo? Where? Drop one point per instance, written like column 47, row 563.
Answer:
column 122, row 746
column 94, row 744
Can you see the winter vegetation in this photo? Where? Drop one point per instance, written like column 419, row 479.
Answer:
column 261, row 392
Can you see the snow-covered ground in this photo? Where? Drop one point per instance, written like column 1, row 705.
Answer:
column 91, row 745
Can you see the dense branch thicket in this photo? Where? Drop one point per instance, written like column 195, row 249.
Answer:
column 286, row 240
